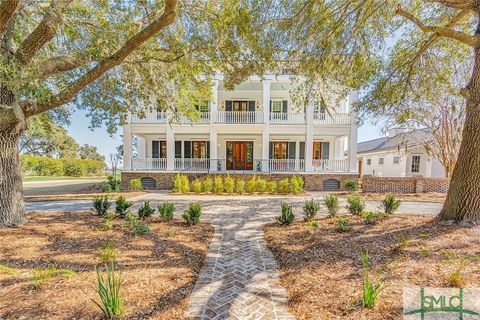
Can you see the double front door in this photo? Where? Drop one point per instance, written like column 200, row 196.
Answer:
column 239, row 155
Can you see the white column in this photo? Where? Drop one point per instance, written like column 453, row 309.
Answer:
column 265, row 149
column 213, row 149
column 266, row 100
column 309, row 139
column 170, row 147
column 214, row 101
column 352, row 139
column 127, row 148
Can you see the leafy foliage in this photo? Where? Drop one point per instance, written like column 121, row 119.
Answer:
column 177, row 183
column 283, row 186
column 44, row 166
column 331, row 202
column 109, row 291
column 218, row 184
column 310, row 209
column 108, row 254
column 390, row 204
column 166, row 211
column 185, row 184
column 192, row 214
column 287, row 216
column 272, row 187
column 252, row 185
column 372, row 217
column 261, row 185
column 343, row 225
column 101, row 205
column 197, row 185
column 351, row 185
column 136, row 185
column 145, row 210
column 208, row 185
column 240, row 186
column 355, row 205
column 111, row 184
column 229, row 184
column 371, row 290
column 121, row 206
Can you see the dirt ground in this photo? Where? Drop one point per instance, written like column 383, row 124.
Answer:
column 322, row 270
column 158, row 269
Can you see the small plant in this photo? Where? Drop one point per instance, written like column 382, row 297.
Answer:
column 166, row 211
column 283, row 186
column 240, row 187
column 111, row 184
column 343, row 225
column 136, row 185
column 185, row 184
column 252, row 185
column 296, row 185
column 287, row 216
column 101, row 205
column 372, row 217
column 121, row 206
column 108, row 253
column 261, row 185
column 129, row 219
column 43, row 275
column 355, row 205
column 371, row 290
column 192, row 214
column 145, row 211
column 218, row 184
column 108, row 289
column 107, row 221
column 7, row 270
column 139, row 228
column 177, row 183
column 351, row 185
column 207, row 185
column 229, row 184
column 197, row 185
column 456, row 279
column 331, row 202
column 390, row 204
column 314, row 225
column 310, row 209
column 271, row 187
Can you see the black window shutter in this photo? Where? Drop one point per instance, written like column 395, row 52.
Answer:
column 228, row 105
column 208, row 149
column 302, row 150
column 187, row 145
column 285, row 106
column 270, row 105
column 155, row 149
column 325, row 150
column 178, row 149
column 251, row 105
column 292, row 150
column 270, row 150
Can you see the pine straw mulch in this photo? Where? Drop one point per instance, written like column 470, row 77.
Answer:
column 323, row 272
column 82, row 196
column 158, row 269
column 417, row 197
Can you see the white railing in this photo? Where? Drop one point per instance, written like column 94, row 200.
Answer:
column 330, row 165
column 286, row 165
column 203, row 117
column 332, row 119
column 149, row 163
column 238, row 117
column 190, row 164
column 287, row 118
column 149, row 117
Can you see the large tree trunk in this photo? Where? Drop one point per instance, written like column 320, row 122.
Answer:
column 463, row 199
column 12, row 211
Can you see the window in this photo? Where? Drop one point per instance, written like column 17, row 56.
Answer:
column 380, row 161
column 280, row 150
column 319, row 108
column 159, row 149
column 202, row 107
column 396, row 160
column 415, row 164
column 369, row 162
column 321, row 150
column 277, row 106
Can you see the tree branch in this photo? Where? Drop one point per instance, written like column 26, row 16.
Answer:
column 46, row 68
column 43, row 33
column 472, row 41
column 7, row 10
column 457, row 4
column 167, row 18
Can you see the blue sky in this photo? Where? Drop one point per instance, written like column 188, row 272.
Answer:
column 106, row 144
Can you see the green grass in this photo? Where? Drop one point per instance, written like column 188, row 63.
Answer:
column 43, row 275
column 8, row 270
column 53, row 178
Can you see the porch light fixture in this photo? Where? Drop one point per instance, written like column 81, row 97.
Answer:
column 222, row 104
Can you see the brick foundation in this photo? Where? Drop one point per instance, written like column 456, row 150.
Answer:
column 404, row 185
column 164, row 180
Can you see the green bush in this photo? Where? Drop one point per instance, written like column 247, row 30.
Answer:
column 355, row 205
column 185, row 184
column 371, row 217
column 192, row 214
column 310, row 209
column 111, row 184
column 371, row 290
column 108, row 289
column 139, row 228
column 343, row 225
column 101, row 205
column 177, row 183
column 296, row 185
column 51, row 167
column 136, row 185
column 45, row 166
column 74, row 167
column 240, row 186
column 107, row 221
column 207, row 185
column 331, row 202
column 121, row 206
column 108, row 253
column 351, row 185
column 229, row 184
column 197, row 185
column 218, row 184
column 287, row 216
column 271, row 187
column 261, row 185
column 390, row 204
column 166, row 211
column 252, row 185
column 283, row 186
column 145, row 210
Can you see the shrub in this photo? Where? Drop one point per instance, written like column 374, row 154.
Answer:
column 296, row 185
column 271, row 187
column 456, row 278
column 229, row 184
column 252, row 185
column 74, row 167
column 283, row 186
column 314, row 225
column 136, row 185
column 240, row 187
column 45, row 166
column 390, row 204
column 108, row 253
column 372, row 217
column 101, row 205
column 108, row 289
column 185, row 184
column 287, row 214
column 192, row 214
column 197, row 185
column 207, row 185
column 355, row 205
column 145, row 210
column 121, row 206
column 50, row 167
column 139, row 228
column 331, row 202
column 111, row 184
column 107, row 221
column 218, row 184
column 351, row 185
column 166, row 211
column 310, row 209
column 261, row 185
column 177, row 183
column 343, row 225
column 371, row 290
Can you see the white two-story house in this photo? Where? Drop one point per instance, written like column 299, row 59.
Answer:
column 254, row 129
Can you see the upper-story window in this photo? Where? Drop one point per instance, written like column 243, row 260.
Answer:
column 396, row 160
column 277, row 106
column 319, row 107
column 380, row 161
column 202, row 106
column 369, row 162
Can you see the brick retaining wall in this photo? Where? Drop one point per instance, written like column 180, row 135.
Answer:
column 164, row 180
column 404, row 185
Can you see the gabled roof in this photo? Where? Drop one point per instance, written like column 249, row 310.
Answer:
column 409, row 139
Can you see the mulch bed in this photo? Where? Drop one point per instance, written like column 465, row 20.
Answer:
column 322, row 270
column 417, row 197
column 158, row 269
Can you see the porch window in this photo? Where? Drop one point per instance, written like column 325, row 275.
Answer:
column 277, row 106
column 321, row 150
column 196, row 149
column 159, row 149
column 280, row 150
column 415, row 164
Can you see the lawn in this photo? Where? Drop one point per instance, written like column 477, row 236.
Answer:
column 322, row 270
column 55, row 178
column 47, row 266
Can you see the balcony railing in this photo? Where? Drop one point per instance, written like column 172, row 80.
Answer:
column 332, row 119
column 189, row 164
column 238, row 117
column 286, row 165
column 331, row 165
column 149, row 164
column 203, row 117
column 149, row 117
column 287, row 118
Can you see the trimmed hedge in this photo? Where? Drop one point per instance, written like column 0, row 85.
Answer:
column 44, row 166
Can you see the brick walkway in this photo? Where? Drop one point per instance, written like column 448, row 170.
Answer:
column 239, row 279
